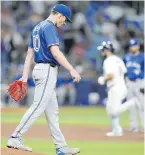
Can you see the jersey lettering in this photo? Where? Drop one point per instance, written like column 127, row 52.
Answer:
column 133, row 64
column 36, row 39
column 36, row 43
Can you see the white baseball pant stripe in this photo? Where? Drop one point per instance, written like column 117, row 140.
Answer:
column 45, row 100
column 134, row 90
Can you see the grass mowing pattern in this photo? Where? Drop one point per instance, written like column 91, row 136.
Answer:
column 92, row 116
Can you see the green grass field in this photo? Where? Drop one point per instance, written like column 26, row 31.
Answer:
column 90, row 116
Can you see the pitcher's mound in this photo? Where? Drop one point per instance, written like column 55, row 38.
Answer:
column 9, row 151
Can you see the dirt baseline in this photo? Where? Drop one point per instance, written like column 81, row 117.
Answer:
column 74, row 132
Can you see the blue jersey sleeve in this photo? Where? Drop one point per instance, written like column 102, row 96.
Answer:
column 142, row 67
column 50, row 36
column 31, row 42
column 124, row 60
column 125, row 57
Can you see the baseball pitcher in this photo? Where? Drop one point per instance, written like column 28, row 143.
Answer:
column 114, row 70
column 134, row 61
column 44, row 47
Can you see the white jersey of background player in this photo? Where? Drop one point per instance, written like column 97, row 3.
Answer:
column 114, row 70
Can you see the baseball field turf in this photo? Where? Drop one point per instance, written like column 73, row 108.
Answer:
column 83, row 127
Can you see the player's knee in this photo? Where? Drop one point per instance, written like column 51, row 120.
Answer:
column 111, row 111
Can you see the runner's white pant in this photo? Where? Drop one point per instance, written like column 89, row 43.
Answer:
column 45, row 100
column 116, row 94
column 114, row 106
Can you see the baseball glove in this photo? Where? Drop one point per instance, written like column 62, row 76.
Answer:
column 17, row 90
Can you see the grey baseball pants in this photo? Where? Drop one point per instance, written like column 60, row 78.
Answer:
column 45, row 100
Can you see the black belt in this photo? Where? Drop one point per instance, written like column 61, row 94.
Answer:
column 52, row 64
column 133, row 80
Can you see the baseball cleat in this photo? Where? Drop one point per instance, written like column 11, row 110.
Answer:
column 113, row 134
column 16, row 143
column 67, row 151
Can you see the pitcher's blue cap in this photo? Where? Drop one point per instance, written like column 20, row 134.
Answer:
column 64, row 10
column 134, row 42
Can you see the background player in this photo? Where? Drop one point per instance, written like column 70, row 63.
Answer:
column 114, row 70
column 134, row 61
column 44, row 47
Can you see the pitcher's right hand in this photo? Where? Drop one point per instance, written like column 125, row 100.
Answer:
column 75, row 75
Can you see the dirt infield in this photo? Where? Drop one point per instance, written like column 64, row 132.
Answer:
column 73, row 132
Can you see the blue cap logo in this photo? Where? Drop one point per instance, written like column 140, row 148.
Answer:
column 133, row 42
column 64, row 10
